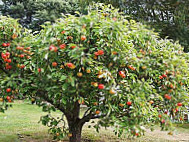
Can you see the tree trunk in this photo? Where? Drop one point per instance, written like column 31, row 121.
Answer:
column 75, row 132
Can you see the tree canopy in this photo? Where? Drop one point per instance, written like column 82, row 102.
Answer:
column 123, row 73
column 169, row 18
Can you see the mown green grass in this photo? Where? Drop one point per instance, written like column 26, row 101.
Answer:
column 20, row 124
column 20, row 120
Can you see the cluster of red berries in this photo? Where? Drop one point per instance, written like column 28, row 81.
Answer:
column 6, row 44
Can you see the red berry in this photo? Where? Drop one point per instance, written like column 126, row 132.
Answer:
column 176, row 110
column 8, row 44
column 8, row 67
column 164, row 75
column 22, row 66
column 100, row 52
column 53, row 48
column 8, row 98
column 3, row 56
column 161, row 77
column 122, row 74
column 101, row 86
column 7, row 54
column 28, row 48
column 4, row 44
column 63, row 32
column 9, row 60
column 72, row 47
column 96, row 54
column 179, row 104
column 54, row 64
column 163, row 121
column 5, row 60
column 62, row 46
column 69, row 65
column 8, row 90
column 22, row 56
column 83, row 38
column 39, row 69
column 167, row 97
column 129, row 103
column 19, row 48
column 171, row 86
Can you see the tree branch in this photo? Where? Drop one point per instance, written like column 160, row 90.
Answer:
column 44, row 95
column 87, row 111
column 90, row 116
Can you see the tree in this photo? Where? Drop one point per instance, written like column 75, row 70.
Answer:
column 123, row 73
column 169, row 18
column 32, row 13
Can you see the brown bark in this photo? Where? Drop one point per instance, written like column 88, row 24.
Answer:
column 75, row 131
column 72, row 113
column 75, row 124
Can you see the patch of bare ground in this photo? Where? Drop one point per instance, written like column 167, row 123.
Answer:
column 107, row 135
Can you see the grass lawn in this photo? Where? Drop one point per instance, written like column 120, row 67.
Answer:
column 20, row 124
column 20, row 120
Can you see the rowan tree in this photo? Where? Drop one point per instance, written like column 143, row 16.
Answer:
column 124, row 75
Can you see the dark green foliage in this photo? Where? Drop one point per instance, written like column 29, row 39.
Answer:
column 168, row 17
column 33, row 13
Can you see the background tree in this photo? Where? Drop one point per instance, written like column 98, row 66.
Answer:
column 32, row 13
column 169, row 18
column 122, row 72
